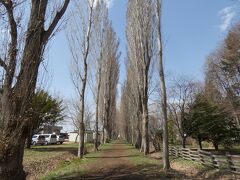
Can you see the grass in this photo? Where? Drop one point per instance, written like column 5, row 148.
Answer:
column 40, row 153
column 74, row 167
column 42, row 159
column 138, row 165
column 137, row 158
column 186, row 163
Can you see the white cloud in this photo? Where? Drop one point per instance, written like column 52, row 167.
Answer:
column 227, row 15
column 109, row 3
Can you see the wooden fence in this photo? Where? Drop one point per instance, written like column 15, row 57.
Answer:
column 223, row 161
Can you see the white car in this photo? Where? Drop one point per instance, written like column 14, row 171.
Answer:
column 50, row 138
column 38, row 139
column 60, row 139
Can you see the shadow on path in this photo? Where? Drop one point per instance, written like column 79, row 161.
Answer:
column 116, row 163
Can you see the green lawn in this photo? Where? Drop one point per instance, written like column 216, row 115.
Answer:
column 137, row 158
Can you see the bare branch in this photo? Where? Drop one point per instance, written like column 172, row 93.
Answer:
column 55, row 21
column 3, row 64
column 13, row 44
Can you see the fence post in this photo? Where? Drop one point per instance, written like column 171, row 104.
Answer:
column 229, row 160
column 213, row 161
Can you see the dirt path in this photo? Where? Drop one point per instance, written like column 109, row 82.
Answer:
column 112, row 164
column 118, row 163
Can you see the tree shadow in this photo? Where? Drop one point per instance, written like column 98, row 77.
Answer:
column 123, row 172
column 213, row 173
column 112, row 157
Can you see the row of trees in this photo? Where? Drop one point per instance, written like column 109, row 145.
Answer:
column 205, row 111
column 94, row 48
column 144, row 51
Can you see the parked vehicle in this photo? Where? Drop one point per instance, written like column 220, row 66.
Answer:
column 60, row 139
column 65, row 135
column 38, row 139
column 50, row 138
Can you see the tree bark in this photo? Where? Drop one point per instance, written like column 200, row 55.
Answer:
column 145, row 135
column 184, row 142
column 29, row 139
column 11, row 162
column 166, row 164
column 81, row 140
column 138, row 139
column 96, row 130
column 103, row 135
column 82, row 108
column 97, row 108
column 132, row 135
column 106, row 134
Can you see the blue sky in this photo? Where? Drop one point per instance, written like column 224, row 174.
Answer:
column 192, row 29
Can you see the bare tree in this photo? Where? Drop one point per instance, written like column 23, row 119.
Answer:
column 79, row 41
column 110, row 75
column 23, row 55
column 182, row 93
column 131, row 108
column 140, row 36
column 99, row 35
column 222, row 73
column 166, row 164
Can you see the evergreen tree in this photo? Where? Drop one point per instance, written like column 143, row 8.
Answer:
column 206, row 121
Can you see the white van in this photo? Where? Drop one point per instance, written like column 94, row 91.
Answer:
column 50, row 138
column 60, row 139
column 38, row 139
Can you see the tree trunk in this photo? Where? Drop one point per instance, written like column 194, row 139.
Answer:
column 166, row 164
column 138, row 144
column 77, row 137
column 106, row 135
column 29, row 138
column 103, row 135
column 132, row 133
column 96, row 136
column 81, row 140
column 200, row 142
column 29, row 142
column 139, row 138
column 184, row 142
column 215, row 144
column 11, row 161
column 145, row 135
column 96, row 122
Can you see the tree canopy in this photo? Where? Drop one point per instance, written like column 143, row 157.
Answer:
column 206, row 121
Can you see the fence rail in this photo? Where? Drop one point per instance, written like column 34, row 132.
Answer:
column 223, row 161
